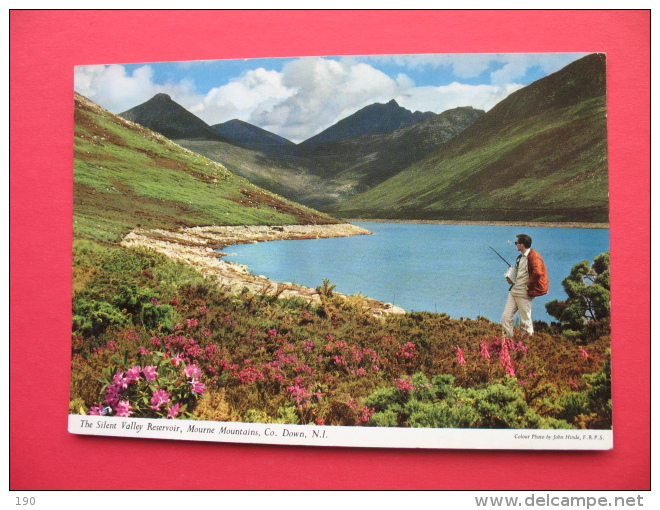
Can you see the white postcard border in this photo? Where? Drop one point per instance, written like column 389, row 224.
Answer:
column 313, row 435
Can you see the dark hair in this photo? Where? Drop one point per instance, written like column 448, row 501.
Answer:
column 525, row 240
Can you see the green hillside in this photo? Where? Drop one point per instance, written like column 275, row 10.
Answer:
column 539, row 155
column 126, row 176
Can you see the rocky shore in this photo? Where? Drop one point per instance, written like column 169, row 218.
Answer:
column 198, row 246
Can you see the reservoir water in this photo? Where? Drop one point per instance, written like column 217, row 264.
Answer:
column 425, row 267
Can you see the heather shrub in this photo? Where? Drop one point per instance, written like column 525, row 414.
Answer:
column 285, row 360
column 420, row 402
column 91, row 318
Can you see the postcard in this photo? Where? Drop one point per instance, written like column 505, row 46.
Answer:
column 388, row 251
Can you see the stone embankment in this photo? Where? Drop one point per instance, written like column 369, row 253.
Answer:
column 198, row 246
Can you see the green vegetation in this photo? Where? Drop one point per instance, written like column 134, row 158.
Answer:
column 539, row 155
column 143, row 322
column 586, row 311
column 126, row 176
column 511, row 175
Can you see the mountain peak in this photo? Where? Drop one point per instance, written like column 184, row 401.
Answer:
column 161, row 96
column 376, row 118
column 167, row 117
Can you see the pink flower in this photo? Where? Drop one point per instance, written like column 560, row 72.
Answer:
column 583, row 353
column 154, row 301
column 149, row 372
column 484, row 349
column 176, row 360
column 158, row 398
column 505, row 359
column 133, row 374
column 143, row 351
column 459, row 356
column 192, row 323
column 272, row 332
column 192, row 371
column 174, row 302
column 120, row 381
column 197, row 387
column 96, row 410
column 112, row 394
column 173, row 411
column 123, row 408
column 405, row 384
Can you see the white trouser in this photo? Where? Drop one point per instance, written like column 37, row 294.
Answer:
column 522, row 304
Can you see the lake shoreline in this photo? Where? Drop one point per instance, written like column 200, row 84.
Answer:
column 544, row 224
column 199, row 247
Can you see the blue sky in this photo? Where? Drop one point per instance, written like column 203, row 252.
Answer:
column 299, row 97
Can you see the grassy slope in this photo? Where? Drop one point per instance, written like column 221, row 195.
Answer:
column 127, row 176
column 547, row 167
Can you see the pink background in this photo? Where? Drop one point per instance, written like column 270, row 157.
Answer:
column 45, row 46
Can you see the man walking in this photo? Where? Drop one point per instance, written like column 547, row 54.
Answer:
column 531, row 280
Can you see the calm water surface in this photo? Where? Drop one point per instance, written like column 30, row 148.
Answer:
column 425, row 267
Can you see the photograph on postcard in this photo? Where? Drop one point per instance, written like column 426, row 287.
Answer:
column 378, row 251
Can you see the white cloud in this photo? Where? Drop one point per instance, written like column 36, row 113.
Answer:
column 115, row 90
column 240, row 98
column 439, row 99
column 312, row 93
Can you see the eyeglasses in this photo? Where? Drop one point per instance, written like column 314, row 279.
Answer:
column 518, row 242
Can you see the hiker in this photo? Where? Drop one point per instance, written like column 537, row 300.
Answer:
column 530, row 280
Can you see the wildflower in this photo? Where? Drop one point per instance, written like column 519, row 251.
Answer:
column 176, row 360
column 484, row 349
column 459, row 356
column 405, row 384
column 583, row 353
column 505, row 359
column 150, row 373
column 123, row 408
column 112, row 394
column 574, row 384
column 173, row 411
column 143, row 351
column 174, row 302
column 96, row 411
column 154, row 301
column 192, row 371
column 119, row 380
column 197, row 387
column 272, row 332
column 206, row 331
column 133, row 374
column 155, row 340
column 158, row 398
column 192, row 323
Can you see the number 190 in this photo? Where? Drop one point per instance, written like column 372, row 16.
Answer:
column 25, row 501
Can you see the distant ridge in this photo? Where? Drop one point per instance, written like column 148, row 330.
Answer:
column 255, row 138
column 538, row 155
column 163, row 115
column 376, row 118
